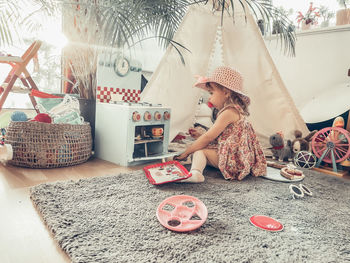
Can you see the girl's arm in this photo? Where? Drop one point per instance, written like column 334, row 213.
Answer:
column 197, row 132
column 228, row 116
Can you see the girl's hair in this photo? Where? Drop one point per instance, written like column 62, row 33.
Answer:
column 234, row 98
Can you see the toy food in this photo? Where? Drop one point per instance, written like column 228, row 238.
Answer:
column 291, row 173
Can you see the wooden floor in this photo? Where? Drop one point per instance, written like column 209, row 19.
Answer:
column 23, row 235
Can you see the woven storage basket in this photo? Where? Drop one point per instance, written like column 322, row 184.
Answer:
column 46, row 145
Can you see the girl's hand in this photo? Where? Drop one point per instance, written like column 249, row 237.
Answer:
column 181, row 157
column 195, row 133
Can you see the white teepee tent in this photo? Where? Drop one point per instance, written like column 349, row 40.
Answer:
column 272, row 108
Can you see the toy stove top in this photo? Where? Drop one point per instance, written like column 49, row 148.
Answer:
column 135, row 104
column 140, row 112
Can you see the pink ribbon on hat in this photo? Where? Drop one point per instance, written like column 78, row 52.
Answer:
column 201, row 79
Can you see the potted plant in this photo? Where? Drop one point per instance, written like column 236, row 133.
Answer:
column 326, row 15
column 343, row 15
column 310, row 18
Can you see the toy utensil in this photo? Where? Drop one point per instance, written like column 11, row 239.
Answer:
column 182, row 213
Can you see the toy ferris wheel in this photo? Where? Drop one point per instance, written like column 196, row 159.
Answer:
column 331, row 145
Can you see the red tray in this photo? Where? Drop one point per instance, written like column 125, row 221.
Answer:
column 167, row 172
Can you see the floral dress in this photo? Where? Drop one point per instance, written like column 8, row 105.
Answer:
column 239, row 150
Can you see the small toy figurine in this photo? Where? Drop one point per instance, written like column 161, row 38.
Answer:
column 279, row 149
column 338, row 122
column 301, row 144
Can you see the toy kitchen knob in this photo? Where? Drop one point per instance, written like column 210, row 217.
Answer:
column 147, row 116
column 157, row 116
column 166, row 115
column 136, row 116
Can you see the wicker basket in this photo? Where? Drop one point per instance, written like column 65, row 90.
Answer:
column 45, row 145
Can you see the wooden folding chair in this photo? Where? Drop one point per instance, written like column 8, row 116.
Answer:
column 20, row 71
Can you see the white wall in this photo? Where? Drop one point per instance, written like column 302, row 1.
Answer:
column 149, row 53
column 320, row 66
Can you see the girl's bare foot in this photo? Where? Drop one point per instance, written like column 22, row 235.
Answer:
column 197, row 177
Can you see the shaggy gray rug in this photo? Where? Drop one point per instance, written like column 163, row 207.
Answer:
column 113, row 219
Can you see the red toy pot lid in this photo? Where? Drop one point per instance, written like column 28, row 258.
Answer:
column 266, row 223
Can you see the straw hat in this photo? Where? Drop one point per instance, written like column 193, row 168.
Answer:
column 227, row 77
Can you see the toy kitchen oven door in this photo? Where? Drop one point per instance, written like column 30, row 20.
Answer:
column 128, row 132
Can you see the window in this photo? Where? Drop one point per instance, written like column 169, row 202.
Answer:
column 48, row 76
column 303, row 5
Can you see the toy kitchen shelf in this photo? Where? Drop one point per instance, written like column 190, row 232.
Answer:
column 146, row 141
column 145, row 144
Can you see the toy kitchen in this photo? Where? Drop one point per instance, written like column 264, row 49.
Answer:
column 127, row 132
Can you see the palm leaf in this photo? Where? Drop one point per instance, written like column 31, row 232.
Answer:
column 8, row 15
column 121, row 23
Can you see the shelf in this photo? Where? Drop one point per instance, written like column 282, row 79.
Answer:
column 157, row 156
column 315, row 31
column 324, row 30
column 147, row 141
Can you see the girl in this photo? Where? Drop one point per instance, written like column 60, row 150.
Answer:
column 230, row 144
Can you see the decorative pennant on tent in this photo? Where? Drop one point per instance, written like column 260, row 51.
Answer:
column 215, row 60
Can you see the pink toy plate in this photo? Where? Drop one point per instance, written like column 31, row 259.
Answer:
column 182, row 213
column 266, row 223
column 167, row 172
